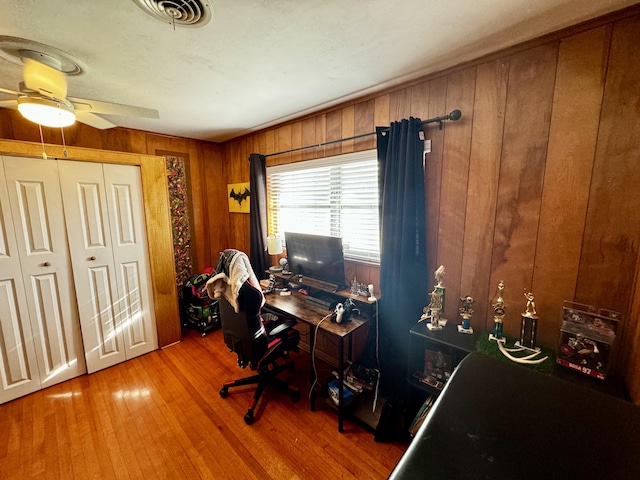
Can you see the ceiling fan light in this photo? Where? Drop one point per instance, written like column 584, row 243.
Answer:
column 47, row 112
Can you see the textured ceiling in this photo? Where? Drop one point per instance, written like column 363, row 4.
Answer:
column 259, row 62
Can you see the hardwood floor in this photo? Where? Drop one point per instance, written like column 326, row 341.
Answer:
column 160, row 416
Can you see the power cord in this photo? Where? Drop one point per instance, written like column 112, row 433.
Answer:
column 313, row 355
column 375, row 396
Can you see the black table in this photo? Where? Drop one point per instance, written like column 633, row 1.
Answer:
column 498, row 420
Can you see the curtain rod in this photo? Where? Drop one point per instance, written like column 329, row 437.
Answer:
column 453, row 116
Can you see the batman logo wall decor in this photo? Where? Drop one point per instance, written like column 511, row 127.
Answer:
column 239, row 195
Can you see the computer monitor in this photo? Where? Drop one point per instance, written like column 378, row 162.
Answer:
column 317, row 256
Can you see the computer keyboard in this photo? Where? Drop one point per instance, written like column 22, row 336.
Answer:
column 322, row 299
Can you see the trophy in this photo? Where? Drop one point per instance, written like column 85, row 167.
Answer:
column 529, row 325
column 433, row 310
column 524, row 350
column 499, row 311
column 466, row 309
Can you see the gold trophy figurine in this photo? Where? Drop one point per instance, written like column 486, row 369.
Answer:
column 438, row 274
column 531, row 305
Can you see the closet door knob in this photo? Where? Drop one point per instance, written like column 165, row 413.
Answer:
column 46, row 264
column 92, row 258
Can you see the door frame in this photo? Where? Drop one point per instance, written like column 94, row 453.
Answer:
column 155, row 195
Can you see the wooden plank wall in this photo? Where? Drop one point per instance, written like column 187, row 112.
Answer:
column 536, row 185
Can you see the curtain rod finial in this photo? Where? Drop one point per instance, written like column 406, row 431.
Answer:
column 455, row 115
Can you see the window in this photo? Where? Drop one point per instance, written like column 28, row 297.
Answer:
column 335, row 196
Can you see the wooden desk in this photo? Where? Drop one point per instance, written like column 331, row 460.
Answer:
column 296, row 305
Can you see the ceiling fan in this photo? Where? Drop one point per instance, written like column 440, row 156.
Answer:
column 42, row 97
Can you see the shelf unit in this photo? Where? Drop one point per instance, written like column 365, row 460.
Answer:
column 297, row 306
column 447, row 341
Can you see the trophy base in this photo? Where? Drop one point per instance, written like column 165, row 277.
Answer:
column 529, row 359
column 434, row 327
column 442, row 322
column 532, row 350
column 461, row 329
column 493, row 337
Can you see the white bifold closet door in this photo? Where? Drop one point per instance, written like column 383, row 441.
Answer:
column 106, row 230
column 75, row 283
column 18, row 364
column 37, row 300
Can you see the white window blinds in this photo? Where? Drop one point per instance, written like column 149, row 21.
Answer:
column 335, row 196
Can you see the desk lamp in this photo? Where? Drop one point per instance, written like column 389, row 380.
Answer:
column 274, row 247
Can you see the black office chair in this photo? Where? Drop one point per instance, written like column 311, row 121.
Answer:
column 259, row 343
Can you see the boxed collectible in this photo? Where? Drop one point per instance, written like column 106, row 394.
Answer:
column 334, row 393
column 437, row 364
column 587, row 339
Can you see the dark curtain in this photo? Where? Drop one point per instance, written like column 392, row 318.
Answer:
column 258, row 216
column 403, row 264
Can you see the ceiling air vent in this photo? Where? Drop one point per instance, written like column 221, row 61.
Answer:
column 179, row 13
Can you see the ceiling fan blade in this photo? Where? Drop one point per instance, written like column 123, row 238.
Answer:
column 44, row 79
column 108, row 108
column 95, row 121
column 8, row 104
column 10, row 92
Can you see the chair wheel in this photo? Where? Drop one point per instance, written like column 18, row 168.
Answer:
column 248, row 418
column 224, row 392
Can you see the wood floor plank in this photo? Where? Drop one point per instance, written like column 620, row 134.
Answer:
column 119, row 448
column 173, row 458
column 214, row 425
column 161, row 416
column 30, row 437
column 133, row 447
column 196, row 420
column 58, row 438
column 93, row 439
column 76, row 425
column 11, row 422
